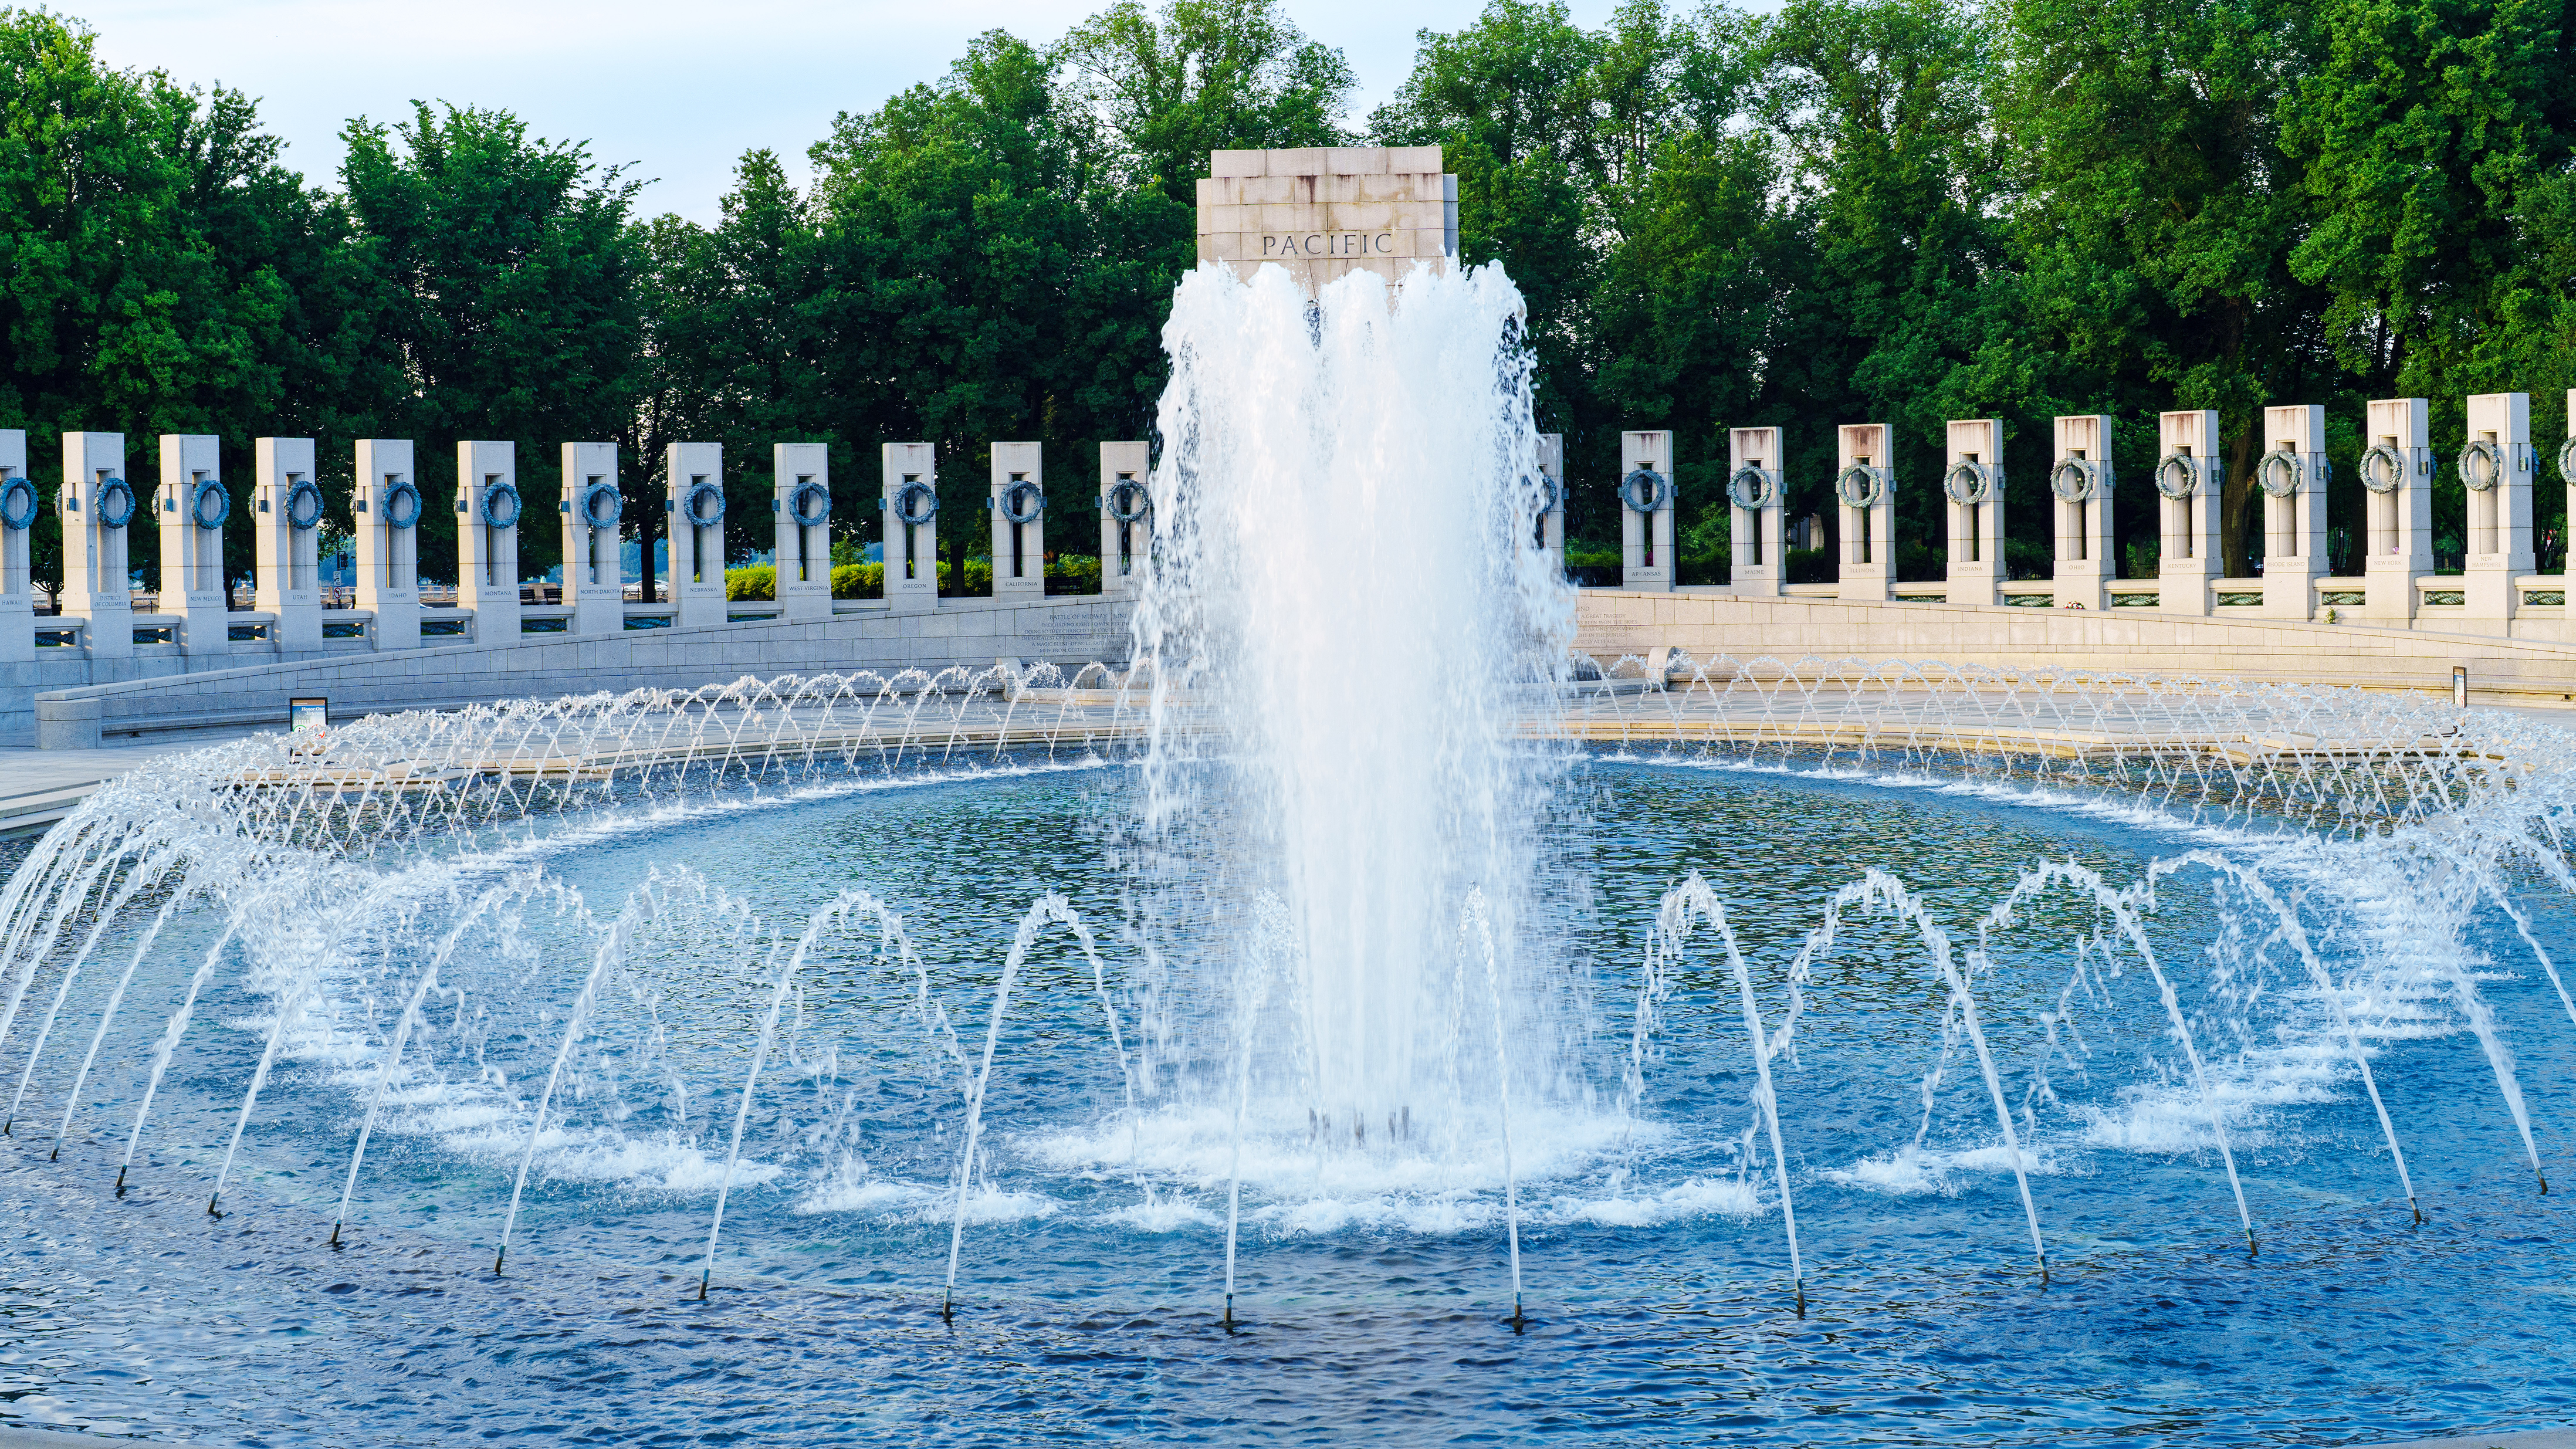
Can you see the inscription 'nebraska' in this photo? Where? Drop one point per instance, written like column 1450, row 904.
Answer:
column 1328, row 244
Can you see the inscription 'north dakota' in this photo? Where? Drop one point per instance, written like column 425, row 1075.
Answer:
column 1328, row 244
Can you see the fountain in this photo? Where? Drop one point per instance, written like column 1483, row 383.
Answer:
column 1363, row 981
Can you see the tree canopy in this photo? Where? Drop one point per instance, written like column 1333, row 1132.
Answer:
column 1895, row 211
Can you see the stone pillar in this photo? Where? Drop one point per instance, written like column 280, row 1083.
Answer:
column 98, row 506
column 193, row 507
column 1973, row 482
column 1548, row 536
column 487, row 538
column 800, row 502
column 1018, row 503
column 386, row 510
column 1755, row 529
column 594, row 575
column 2080, row 486
column 288, row 542
column 1646, row 511
column 911, row 500
column 693, row 500
column 2495, row 463
column 2567, row 476
column 2292, row 477
column 1126, row 517
column 2397, row 506
column 2187, row 500
column 1865, row 491
column 20, row 506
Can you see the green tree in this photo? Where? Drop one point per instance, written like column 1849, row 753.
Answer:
column 1896, row 274
column 511, row 279
column 2156, row 220
column 1161, row 90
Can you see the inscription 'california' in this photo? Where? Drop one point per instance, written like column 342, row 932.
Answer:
column 1328, row 244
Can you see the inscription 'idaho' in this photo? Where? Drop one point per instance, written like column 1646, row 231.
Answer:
column 1328, row 244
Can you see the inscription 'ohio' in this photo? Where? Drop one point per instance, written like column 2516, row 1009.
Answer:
column 1328, row 244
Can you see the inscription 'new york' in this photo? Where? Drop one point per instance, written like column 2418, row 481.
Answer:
column 1328, row 244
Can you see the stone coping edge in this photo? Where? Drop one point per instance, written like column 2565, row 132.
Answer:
column 656, row 636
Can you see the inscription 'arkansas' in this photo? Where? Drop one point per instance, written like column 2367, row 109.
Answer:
column 1328, row 244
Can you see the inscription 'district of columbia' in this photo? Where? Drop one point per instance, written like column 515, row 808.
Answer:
column 1328, row 244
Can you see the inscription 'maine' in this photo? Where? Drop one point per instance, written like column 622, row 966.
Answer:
column 1328, row 244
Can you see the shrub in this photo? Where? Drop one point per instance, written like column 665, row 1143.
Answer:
column 758, row 582
column 1073, row 573
column 1810, row 565
column 858, row 581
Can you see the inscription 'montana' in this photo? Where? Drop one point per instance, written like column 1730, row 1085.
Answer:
column 1328, row 244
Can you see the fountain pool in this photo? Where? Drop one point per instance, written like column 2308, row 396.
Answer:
column 1373, row 1277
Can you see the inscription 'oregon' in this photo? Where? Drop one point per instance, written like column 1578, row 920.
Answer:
column 1328, row 244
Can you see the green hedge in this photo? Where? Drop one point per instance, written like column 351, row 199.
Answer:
column 1065, row 574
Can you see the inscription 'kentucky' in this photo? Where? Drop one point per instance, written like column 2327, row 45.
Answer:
column 1328, row 244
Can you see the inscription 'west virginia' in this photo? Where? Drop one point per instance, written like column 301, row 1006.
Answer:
column 1328, row 244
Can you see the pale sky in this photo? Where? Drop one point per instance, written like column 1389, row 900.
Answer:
column 681, row 90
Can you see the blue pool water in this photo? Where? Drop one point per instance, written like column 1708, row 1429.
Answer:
column 1373, row 1276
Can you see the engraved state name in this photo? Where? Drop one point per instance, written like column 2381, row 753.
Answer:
column 1328, row 244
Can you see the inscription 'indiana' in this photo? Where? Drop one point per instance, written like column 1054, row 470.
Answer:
column 1328, row 244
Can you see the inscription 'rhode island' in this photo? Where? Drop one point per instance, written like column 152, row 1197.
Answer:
column 1328, row 244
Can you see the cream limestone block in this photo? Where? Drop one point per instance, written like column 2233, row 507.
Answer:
column 693, row 507
column 2497, row 453
column 193, row 506
column 1019, row 549
column 2397, row 502
column 1126, row 487
column 1361, row 216
column 1754, row 485
column 593, row 513
column 19, row 508
column 95, row 554
column 1646, row 532
column 2292, row 481
column 2080, row 485
column 1304, row 212
column 911, row 527
column 286, row 538
column 385, row 510
column 2187, row 482
column 1239, row 163
column 1416, row 160
column 1972, row 485
column 489, row 509
column 800, row 510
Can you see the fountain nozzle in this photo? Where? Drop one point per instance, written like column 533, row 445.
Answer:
column 1229, row 1312
column 210, row 1203
column 498, row 1257
column 702, row 1283
column 120, row 1182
